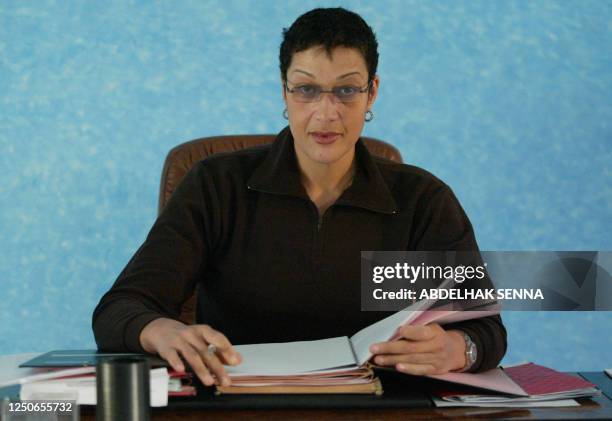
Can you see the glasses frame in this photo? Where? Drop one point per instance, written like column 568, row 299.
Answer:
column 329, row 91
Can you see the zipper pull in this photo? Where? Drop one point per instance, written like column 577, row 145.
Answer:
column 319, row 223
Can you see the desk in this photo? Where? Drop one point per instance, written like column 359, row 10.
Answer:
column 599, row 408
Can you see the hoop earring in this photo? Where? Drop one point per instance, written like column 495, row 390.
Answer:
column 286, row 114
column 369, row 116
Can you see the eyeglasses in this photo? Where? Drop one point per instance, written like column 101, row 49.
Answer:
column 312, row 93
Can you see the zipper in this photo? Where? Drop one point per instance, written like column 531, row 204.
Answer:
column 316, row 241
column 320, row 218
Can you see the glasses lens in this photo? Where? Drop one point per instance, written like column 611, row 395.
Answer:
column 306, row 93
column 346, row 93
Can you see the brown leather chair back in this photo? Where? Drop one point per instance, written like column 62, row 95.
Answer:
column 181, row 158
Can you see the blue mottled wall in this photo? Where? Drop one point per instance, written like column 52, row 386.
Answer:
column 508, row 102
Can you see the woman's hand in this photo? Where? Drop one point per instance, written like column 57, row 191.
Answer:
column 172, row 340
column 422, row 350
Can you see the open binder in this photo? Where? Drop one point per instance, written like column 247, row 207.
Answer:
column 334, row 365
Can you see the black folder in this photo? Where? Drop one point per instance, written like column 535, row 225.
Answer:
column 83, row 358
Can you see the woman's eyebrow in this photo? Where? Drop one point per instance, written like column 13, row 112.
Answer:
column 348, row 74
column 338, row 78
column 305, row 72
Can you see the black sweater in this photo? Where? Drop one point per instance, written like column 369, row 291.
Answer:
column 269, row 269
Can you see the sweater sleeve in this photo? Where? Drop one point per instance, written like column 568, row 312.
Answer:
column 444, row 226
column 161, row 275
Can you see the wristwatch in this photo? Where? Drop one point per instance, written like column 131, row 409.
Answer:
column 470, row 352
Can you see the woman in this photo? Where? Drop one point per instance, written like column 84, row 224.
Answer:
column 273, row 234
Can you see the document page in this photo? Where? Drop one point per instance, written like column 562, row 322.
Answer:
column 385, row 329
column 494, row 379
column 380, row 331
column 290, row 358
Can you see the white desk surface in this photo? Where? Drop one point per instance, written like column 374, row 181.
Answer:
column 10, row 372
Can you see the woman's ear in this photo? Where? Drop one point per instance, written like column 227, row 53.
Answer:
column 373, row 91
column 284, row 91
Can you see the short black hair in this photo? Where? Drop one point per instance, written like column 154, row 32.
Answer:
column 329, row 28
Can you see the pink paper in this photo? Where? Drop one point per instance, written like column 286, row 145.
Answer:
column 538, row 380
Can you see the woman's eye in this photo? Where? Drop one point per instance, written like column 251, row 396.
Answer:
column 346, row 90
column 306, row 89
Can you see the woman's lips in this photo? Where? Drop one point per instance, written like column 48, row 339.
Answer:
column 325, row 138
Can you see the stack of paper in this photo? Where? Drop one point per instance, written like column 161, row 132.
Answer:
column 522, row 385
column 79, row 384
column 323, row 366
column 70, row 374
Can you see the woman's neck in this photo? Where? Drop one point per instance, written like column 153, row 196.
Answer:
column 324, row 183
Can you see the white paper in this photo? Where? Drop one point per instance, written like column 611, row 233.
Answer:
column 385, row 329
column 11, row 373
column 83, row 389
column 289, row 358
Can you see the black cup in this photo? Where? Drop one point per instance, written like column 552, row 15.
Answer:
column 122, row 385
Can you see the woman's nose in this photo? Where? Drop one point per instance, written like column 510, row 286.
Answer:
column 327, row 107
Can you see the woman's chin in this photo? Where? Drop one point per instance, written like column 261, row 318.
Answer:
column 329, row 156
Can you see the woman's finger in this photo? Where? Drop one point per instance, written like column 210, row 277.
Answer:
column 415, row 369
column 393, row 359
column 194, row 359
column 419, row 333
column 173, row 359
column 403, row 346
column 225, row 350
column 210, row 359
column 216, row 367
